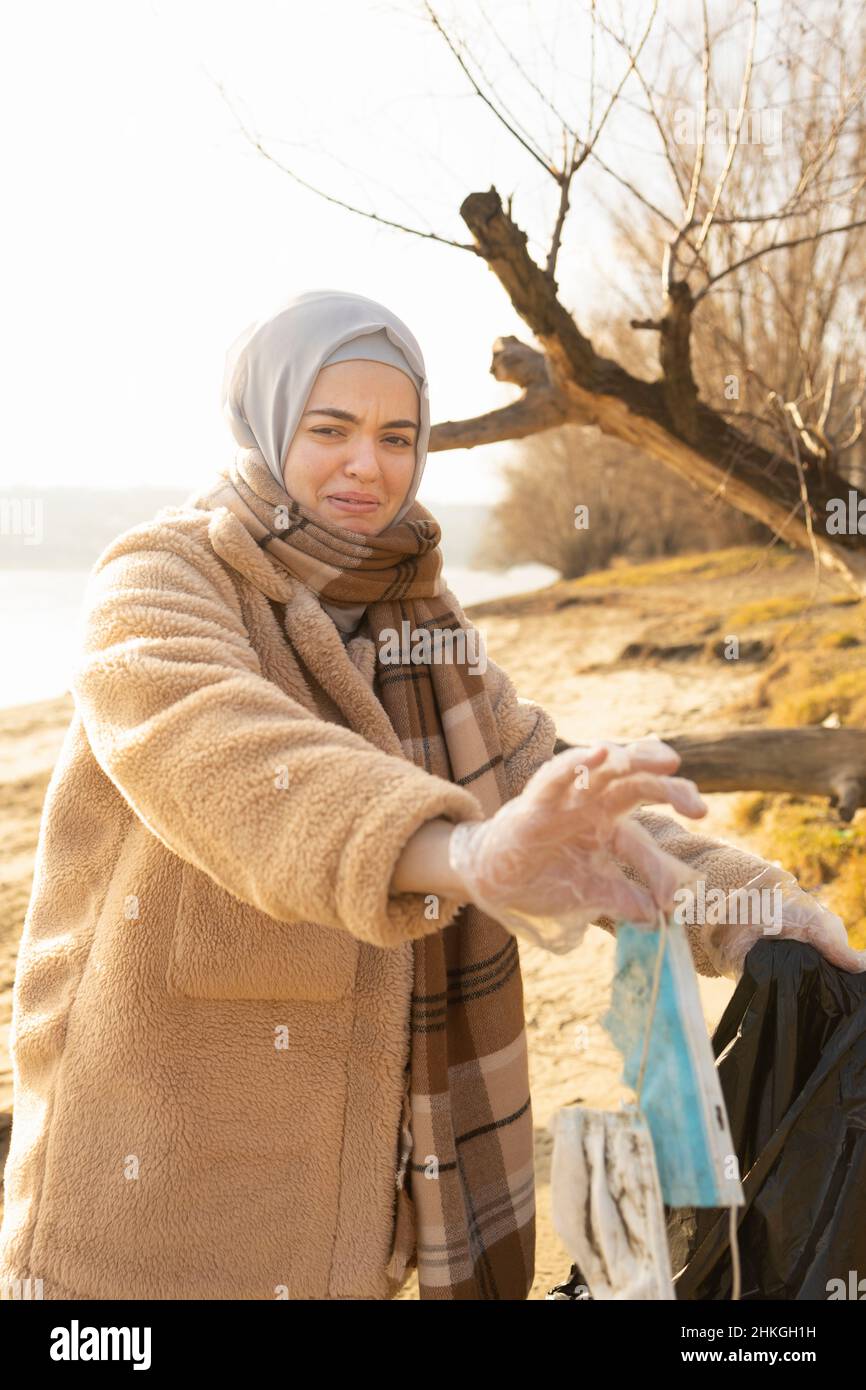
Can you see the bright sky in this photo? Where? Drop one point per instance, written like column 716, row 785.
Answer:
column 145, row 231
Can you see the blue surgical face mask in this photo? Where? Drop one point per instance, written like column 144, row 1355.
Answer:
column 679, row 1090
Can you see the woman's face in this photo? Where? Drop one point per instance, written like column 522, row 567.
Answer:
column 356, row 437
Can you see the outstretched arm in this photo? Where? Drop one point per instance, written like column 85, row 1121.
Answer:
column 296, row 816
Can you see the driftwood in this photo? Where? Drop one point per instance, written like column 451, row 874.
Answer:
column 802, row 762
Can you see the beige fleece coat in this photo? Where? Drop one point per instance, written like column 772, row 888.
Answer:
column 210, row 1014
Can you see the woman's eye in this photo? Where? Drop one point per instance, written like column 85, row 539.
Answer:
column 392, row 439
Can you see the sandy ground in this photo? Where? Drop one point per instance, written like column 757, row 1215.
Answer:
column 568, row 659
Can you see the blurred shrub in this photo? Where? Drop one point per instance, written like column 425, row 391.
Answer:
column 634, row 508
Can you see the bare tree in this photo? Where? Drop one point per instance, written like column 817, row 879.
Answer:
column 615, row 509
column 783, row 342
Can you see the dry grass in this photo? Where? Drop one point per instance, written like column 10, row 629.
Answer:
column 735, row 561
column 818, row 676
column 808, row 838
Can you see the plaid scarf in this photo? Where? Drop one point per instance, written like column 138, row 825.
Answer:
column 465, row 1203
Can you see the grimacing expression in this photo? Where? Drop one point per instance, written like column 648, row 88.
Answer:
column 357, row 435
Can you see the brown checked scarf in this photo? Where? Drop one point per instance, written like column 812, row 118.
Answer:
column 466, row 1201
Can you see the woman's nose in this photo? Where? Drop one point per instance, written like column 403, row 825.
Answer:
column 363, row 460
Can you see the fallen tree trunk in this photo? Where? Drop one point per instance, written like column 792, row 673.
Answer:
column 801, row 762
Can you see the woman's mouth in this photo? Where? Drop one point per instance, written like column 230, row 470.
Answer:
column 346, row 502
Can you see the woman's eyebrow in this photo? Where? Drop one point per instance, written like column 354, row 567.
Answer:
column 339, row 414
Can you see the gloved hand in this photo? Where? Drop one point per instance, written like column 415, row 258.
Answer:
column 773, row 904
column 544, row 864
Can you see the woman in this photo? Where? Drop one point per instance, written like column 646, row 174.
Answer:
column 268, row 1036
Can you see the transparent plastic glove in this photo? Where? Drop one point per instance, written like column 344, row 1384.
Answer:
column 773, row 904
column 545, row 865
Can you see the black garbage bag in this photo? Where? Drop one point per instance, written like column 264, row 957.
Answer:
column 790, row 1050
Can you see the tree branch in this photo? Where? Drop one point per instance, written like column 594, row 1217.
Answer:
column 542, row 406
column 600, row 392
column 776, row 246
column 512, row 129
column 339, row 202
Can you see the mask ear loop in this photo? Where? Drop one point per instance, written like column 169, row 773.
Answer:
column 657, row 976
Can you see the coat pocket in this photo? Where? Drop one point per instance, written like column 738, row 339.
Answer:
column 222, row 948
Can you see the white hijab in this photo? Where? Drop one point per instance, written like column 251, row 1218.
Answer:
column 272, row 366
